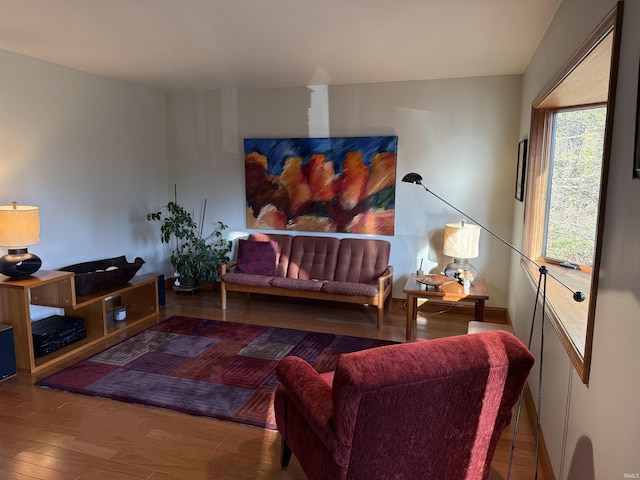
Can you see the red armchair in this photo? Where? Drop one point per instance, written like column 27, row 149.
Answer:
column 424, row 410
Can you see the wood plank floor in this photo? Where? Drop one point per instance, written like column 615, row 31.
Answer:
column 52, row 435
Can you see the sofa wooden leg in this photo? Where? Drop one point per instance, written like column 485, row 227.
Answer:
column 286, row 454
column 380, row 315
column 223, row 297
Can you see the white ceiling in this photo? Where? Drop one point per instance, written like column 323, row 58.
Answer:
column 174, row 45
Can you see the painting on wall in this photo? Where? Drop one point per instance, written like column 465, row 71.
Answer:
column 342, row 184
column 521, row 169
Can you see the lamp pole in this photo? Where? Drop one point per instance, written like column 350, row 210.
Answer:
column 578, row 296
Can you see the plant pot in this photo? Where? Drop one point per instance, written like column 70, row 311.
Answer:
column 189, row 282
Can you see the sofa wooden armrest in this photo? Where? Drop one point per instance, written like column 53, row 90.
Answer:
column 226, row 267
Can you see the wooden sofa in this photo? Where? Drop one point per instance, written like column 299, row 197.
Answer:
column 353, row 270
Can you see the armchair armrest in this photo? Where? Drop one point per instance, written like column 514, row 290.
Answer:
column 312, row 397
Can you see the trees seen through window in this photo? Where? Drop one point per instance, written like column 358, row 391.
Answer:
column 574, row 190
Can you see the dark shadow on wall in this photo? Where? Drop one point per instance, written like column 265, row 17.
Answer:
column 582, row 461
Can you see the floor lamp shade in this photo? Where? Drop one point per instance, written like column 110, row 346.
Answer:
column 19, row 228
column 461, row 243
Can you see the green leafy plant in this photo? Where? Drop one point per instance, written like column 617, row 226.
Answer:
column 195, row 255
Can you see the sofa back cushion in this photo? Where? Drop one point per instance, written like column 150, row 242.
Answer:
column 283, row 249
column 362, row 260
column 313, row 257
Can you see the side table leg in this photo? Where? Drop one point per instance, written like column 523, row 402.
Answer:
column 412, row 305
column 480, row 310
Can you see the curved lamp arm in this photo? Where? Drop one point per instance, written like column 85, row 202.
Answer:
column 416, row 178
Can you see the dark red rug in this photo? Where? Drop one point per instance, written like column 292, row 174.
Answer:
column 211, row 368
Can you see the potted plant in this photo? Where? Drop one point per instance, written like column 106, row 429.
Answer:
column 196, row 257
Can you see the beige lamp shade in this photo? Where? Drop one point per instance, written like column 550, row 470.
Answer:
column 461, row 240
column 19, row 226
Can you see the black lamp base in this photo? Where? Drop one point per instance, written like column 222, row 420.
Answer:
column 457, row 266
column 19, row 263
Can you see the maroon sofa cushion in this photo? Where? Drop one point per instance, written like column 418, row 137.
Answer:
column 362, row 261
column 248, row 279
column 258, row 258
column 283, row 249
column 297, row 284
column 313, row 257
column 350, row 288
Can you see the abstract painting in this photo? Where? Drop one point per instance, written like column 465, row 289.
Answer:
column 341, row 184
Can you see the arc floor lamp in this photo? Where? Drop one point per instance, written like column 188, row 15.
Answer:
column 541, row 291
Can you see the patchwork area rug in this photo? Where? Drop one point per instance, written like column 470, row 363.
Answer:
column 211, row 368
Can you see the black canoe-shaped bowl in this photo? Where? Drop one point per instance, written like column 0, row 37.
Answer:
column 100, row 275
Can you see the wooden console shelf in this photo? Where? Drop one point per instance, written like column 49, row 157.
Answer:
column 57, row 289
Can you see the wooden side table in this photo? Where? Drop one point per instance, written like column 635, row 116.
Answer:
column 449, row 292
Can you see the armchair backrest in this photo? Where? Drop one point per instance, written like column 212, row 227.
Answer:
column 436, row 408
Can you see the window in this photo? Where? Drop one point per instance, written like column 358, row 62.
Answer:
column 574, row 185
column 566, row 185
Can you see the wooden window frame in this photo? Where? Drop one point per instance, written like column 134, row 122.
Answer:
column 581, row 82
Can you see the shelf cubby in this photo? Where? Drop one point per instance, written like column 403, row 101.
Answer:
column 57, row 289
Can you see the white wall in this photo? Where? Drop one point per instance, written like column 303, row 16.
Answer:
column 95, row 151
column 460, row 134
column 91, row 153
column 593, row 432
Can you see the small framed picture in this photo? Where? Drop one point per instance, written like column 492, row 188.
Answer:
column 521, row 169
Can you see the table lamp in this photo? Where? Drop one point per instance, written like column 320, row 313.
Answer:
column 461, row 243
column 19, row 228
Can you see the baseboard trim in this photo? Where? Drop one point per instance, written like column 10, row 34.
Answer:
column 494, row 314
column 544, row 460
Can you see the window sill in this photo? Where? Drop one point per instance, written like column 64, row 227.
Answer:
column 568, row 317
